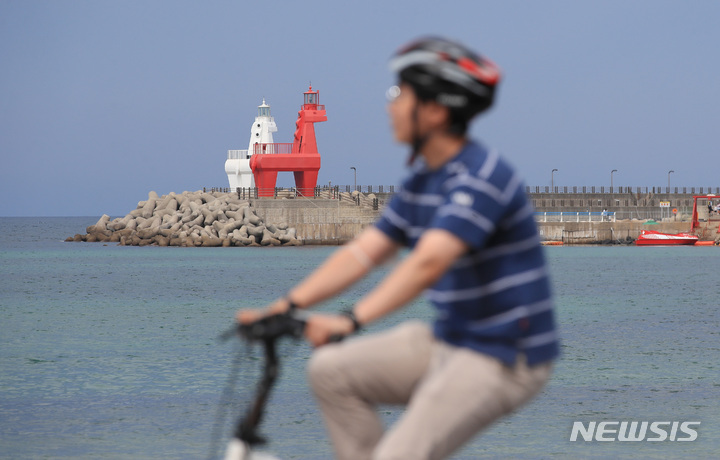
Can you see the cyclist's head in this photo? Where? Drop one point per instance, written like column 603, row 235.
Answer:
column 449, row 74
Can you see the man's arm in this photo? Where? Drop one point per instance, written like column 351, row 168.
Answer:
column 339, row 271
column 346, row 266
column 434, row 254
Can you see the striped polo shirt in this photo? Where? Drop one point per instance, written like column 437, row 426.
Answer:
column 496, row 299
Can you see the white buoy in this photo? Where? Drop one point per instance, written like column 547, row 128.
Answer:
column 237, row 165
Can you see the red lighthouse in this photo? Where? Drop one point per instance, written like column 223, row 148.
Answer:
column 301, row 157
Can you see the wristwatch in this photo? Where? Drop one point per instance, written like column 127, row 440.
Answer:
column 351, row 315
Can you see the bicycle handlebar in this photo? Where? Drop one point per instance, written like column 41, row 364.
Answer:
column 273, row 327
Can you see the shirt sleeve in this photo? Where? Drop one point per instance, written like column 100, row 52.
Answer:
column 392, row 223
column 470, row 214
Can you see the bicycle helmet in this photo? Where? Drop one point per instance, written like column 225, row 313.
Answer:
column 451, row 75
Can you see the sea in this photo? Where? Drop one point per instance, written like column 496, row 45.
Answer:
column 113, row 352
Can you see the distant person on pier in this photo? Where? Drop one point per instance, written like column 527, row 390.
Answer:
column 475, row 252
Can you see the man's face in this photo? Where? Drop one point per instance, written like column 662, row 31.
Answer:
column 410, row 117
column 400, row 109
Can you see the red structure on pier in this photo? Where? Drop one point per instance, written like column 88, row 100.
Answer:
column 302, row 159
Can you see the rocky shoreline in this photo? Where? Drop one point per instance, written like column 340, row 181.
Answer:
column 190, row 219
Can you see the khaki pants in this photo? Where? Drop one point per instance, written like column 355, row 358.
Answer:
column 451, row 393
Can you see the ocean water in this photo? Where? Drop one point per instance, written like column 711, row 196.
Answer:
column 111, row 352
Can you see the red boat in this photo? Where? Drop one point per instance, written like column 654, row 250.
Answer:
column 653, row 238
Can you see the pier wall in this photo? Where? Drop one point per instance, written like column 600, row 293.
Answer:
column 333, row 221
column 625, row 202
column 318, row 221
column 329, row 222
column 595, row 232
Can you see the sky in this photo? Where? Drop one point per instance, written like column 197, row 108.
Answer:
column 102, row 102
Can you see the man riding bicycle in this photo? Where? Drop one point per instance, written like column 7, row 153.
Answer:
column 476, row 253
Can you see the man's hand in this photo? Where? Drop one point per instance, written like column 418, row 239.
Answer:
column 320, row 328
column 250, row 315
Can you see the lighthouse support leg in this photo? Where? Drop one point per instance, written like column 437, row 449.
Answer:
column 265, row 182
column 305, row 181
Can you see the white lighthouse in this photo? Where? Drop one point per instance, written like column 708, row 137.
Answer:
column 237, row 165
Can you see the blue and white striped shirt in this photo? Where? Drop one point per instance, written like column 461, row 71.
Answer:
column 496, row 299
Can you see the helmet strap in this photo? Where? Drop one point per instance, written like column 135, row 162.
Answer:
column 418, row 140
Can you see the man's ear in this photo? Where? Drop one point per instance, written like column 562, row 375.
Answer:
column 436, row 115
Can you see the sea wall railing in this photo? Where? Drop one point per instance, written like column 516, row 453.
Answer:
column 637, row 202
column 612, row 216
column 575, row 216
column 603, row 189
column 530, row 190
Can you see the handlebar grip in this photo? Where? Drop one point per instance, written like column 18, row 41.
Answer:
column 270, row 328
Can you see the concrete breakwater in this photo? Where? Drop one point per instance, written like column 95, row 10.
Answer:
column 191, row 219
column 229, row 219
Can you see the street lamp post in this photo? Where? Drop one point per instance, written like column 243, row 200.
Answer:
column 552, row 181
column 355, row 177
column 669, row 172
column 611, row 179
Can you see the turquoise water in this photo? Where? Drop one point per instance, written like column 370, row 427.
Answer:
column 111, row 352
